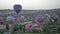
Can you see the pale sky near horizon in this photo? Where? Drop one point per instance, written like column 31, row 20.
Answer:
column 30, row 4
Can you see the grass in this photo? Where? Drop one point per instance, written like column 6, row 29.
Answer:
column 38, row 33
column 47, row 29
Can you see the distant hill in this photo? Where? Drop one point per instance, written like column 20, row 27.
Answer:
column 30, row 14
column 36, row 12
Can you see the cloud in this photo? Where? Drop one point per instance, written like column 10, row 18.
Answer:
column 30, row 4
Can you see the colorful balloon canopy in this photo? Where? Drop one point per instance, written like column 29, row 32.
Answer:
column 29, row 26
column 10, row 19
column 18, row 18
column 17, row 8
column 40, row 19
column 15, row 16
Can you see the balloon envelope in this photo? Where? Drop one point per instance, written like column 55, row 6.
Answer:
column 29, row 26
column 40, row 19
column 17, row 8
column 10, row 19
column 15, row 16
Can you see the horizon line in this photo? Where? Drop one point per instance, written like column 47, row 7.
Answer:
column 32, row 9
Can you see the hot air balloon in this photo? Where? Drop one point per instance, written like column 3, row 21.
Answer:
column 10, row 19
column 17, row 8
column 29, row 27
column 39, row 19
column 15, row 16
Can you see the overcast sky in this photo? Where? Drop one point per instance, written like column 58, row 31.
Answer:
column 30, row 4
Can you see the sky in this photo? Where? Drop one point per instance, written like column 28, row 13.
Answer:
column 30, row 4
